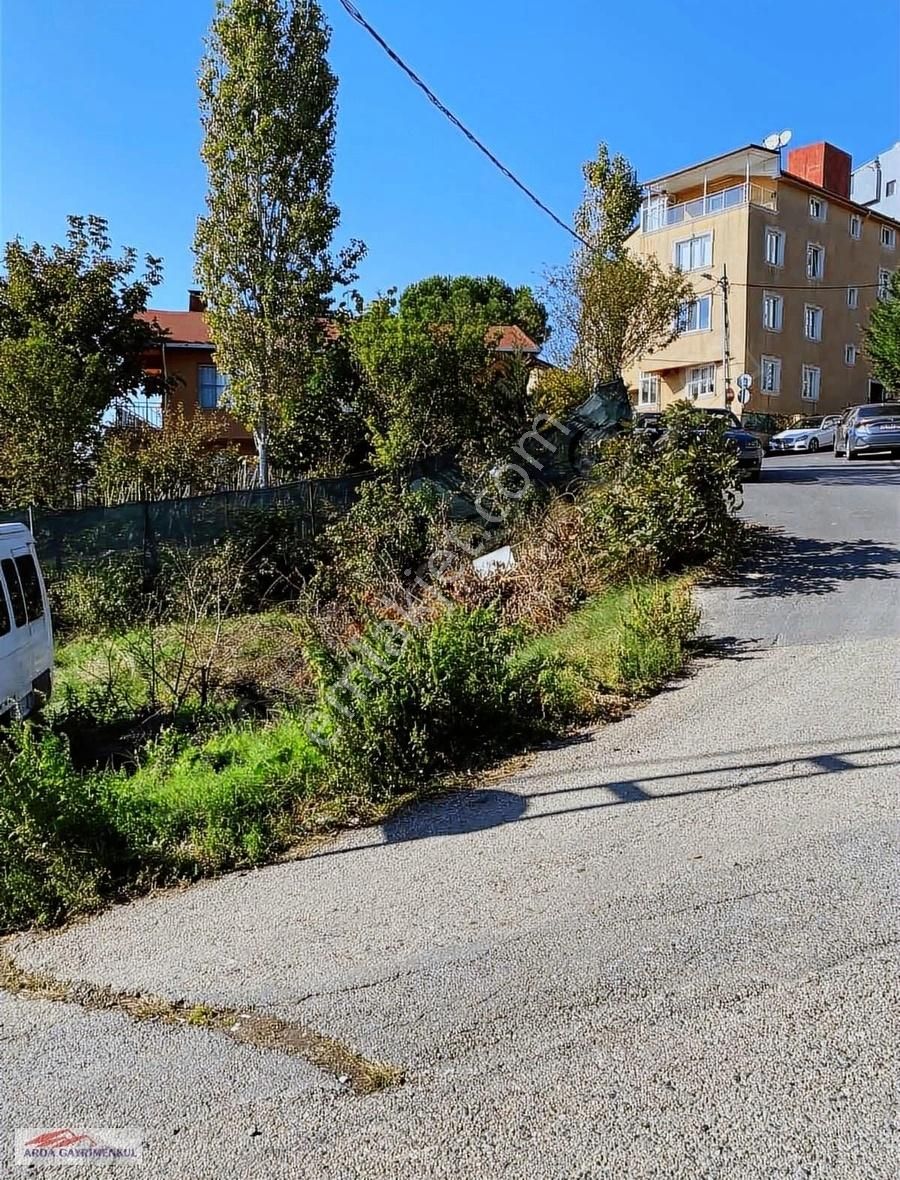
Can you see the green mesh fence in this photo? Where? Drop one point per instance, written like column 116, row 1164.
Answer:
column 78, row 535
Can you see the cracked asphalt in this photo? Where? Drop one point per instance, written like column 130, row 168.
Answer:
column 668, row 949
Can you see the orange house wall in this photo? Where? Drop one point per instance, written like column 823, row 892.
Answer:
column 183, row 364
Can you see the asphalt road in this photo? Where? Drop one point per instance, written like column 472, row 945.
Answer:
column 666, row 950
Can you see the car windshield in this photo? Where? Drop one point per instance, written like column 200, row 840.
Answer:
column 879, row 411
column 808, row 424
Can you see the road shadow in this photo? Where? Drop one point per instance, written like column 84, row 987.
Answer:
column 454, row 815
column 863, row 472
column 783, row 565
column 475, row 811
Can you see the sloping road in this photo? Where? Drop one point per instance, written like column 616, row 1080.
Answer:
column 669, row 950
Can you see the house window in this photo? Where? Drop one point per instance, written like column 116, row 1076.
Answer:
column 694, row 315
column 815, row 261
column 812, row 319
column 701, row 381
column 693, row 253
column 817, row 208
column 849, row 354
column 770, row 374
column 211, row 384
column 888, row 237
column 853, row 297
column 855, row 226
column 775, row 247
column 884, row 283
column 890, row 188
column 812, row 383
column 773, row 311
column 649, row 390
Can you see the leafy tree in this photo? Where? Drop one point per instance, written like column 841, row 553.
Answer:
column 881, row 337
column 612, row 306
column 140, row 463
column 267, row 99
column 432, row 387
column 452, row 299
column 71, row 345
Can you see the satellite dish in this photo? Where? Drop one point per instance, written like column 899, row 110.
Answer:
column 771, row 142
column 785, row 137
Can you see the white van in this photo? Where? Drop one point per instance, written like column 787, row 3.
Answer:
column 26, row 633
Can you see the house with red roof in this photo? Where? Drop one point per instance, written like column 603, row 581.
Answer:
column 186, row 361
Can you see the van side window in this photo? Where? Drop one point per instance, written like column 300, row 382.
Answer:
column 5, row 624
column 31, row 586
column 14, row 587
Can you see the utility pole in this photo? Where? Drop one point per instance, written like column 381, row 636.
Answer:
column 726, row 340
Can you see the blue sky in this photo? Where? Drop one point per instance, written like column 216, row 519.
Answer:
column 99, row 114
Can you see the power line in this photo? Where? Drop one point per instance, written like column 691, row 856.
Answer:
column 354, row 12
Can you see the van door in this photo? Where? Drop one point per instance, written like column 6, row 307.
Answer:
column 40, row 644
column 15, row 680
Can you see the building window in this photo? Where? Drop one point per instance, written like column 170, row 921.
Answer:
column 884, row 283
column 815, row 261
column 855, row 226
column 692, row 253
column 853, row 297
column 890, row 188
column 888, row 237
column 812, row 383
column 694, row 315
column 770, row 374
column 775, row 247
column 649, row 390
column 812, row 318
column 211, row 384
column 773, row 311
column 701, row 381
column 817, row 208
column 849, row 354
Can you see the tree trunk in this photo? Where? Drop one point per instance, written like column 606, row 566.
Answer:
column 261, row 438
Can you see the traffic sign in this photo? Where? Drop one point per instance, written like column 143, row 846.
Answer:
column 744, row 381
column 743, row 396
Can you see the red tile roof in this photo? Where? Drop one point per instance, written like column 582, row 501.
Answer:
column 184, row 327
column 190, row 327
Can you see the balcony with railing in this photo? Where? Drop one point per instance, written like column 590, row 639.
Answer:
column 139, row 413
column 657, row 213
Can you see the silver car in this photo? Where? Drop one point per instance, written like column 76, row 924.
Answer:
column 865, row 430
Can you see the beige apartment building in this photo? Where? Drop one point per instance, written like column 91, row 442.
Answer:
column 795, row 262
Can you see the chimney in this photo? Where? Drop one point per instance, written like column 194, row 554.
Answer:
column 824, row 165
column 196, row 302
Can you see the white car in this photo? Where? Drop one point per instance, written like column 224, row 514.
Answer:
column 810, row 434
column 26, row 635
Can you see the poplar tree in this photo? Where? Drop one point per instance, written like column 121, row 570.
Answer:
column 264, row 258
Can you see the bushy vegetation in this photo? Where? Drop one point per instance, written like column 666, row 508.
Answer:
column 664, row 507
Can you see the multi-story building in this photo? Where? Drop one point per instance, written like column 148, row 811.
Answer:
column 876, row 183
column 785, row 267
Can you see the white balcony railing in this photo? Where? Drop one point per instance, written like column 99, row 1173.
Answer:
column 655, row 214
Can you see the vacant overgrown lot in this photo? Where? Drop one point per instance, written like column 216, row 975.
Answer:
column 201, row 737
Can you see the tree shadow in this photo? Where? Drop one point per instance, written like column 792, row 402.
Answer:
column 784, row 565
column 864, row 472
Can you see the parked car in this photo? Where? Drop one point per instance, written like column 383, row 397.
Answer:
column 809, row 434
column 749, row 449
column 26, row 633
column 864, row 430
column 763, row 426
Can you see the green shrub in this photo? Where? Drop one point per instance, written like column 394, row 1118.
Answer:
column 663, row 508
column 387, row 534
column 107, row 594
column 413, row 703
column 58, row 851
column 657, row 625
column 200, row 805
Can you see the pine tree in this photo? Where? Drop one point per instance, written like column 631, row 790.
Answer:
column 264, row 259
